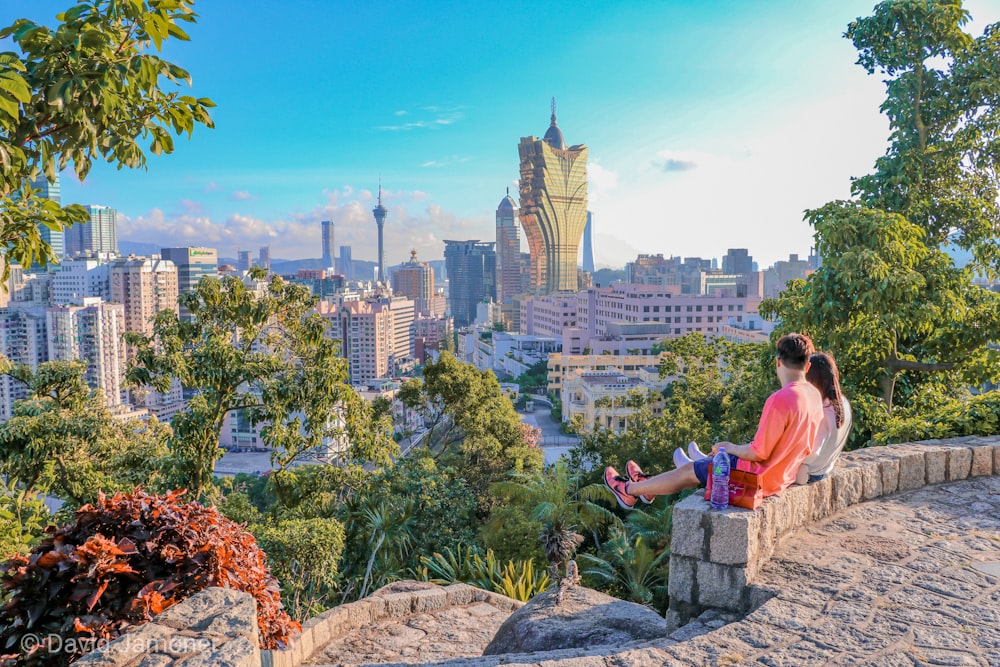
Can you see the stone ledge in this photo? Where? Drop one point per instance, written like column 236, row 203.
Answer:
column 715, row 555
column 389, row 602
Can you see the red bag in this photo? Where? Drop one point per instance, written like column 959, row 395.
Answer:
column 744, row 489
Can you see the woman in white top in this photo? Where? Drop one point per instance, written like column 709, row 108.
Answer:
column 836, row 426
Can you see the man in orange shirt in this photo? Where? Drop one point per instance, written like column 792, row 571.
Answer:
column 788, row 425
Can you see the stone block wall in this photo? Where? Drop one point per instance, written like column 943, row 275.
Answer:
column 716, row 555
column 215, row 627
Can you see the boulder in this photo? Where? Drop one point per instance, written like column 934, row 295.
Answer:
column 584, row 618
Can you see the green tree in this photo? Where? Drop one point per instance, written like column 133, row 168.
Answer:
column 472, row 421
column 902, row 320
column 254, row 346
column 91, row 88
column 63, row 441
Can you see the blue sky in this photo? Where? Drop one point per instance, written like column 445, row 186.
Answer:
column 710, row 124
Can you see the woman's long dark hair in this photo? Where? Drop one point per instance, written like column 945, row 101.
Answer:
column 823, row 375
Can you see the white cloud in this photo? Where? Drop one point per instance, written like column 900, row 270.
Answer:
column 243, row 195
column 212, row 186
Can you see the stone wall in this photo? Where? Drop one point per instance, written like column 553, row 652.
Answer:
column 215, row 627
column 715, row 555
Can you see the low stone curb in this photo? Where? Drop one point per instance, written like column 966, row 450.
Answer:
column 320, row 630
column 716, row 555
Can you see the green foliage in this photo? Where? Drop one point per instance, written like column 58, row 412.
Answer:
column 122, row 561
column 628, row 568
column 516, row 579
column 535, row 379
column 62, row 440
column 474, row 423
column 91, row 88
column 23, row 515
column 556, row 508
column 255, row 346
column 304, row 554
column 238, row 507
column 977, row 415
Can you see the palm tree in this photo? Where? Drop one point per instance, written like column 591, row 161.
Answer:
column 632, row 569
column 389, row 527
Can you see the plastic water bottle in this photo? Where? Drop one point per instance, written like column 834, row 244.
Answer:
column 720, row 480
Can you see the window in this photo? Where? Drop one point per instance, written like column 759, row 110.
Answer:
column 697, row 319
column 698, row 308
column 689, row 320
column 689, row 309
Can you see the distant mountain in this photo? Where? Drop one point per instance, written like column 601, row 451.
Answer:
column 136, row 248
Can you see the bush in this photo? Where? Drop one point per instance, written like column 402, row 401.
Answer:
column 977, row 415
column 517, row 579
column 304, row 554
column 122, row 561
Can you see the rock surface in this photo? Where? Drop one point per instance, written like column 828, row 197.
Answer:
column 585, row 618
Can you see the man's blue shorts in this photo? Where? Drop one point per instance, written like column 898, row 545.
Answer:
column 703, row 467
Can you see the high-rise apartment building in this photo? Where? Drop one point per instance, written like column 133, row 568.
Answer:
column 414, row 280
column 553, row 207
column 192, row 264
column 471, row 267
column 92, row 333
column 78, row 278
column 327, row 243
column 56, row 239
column 380, row 212
column 145, row 287
column 97, row 235
column 23, row 340
column 243, row 260
column 588, row 244
column 367, row 337
column 264, row 258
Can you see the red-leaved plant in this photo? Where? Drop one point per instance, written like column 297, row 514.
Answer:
column 122, row 561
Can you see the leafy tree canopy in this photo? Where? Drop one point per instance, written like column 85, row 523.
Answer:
column 90, row 88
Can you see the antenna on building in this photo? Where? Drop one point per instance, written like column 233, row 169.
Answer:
column 553, row 110
column 380, row 189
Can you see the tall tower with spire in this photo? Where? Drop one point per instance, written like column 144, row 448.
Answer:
column 380, row 212
column 508, row 260
column 553, row 207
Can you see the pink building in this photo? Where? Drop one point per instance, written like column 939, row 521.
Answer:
column 367, row 334
column 548, row 315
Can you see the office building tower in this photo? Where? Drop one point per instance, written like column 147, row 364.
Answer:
column 97, row 235
column 471, row 267
column 508, row 258
column 192, row 264
column 327, row 242
column 242, row 260
column 553, row 207
column 91, row 333
column 414, row 280
column 56, row 239
column 380, row 212
column 736, row 261
column 345, row 265
column 264, row 258
column 588, row 243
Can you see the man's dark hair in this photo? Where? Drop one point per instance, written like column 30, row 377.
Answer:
column 794, row 350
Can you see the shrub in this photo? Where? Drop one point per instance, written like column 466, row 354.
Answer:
column 123, row 560
column 304, row 554
column 517, row 579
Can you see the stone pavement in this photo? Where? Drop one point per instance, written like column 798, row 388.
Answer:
column 442, row 634
column 909, row 579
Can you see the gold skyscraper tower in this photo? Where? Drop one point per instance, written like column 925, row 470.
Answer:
column 553, row 207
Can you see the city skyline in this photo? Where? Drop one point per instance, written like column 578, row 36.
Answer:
column 709, row 126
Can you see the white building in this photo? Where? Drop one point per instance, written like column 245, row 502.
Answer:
column 92, row 333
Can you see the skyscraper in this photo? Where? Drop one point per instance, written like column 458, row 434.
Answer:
column 327, row 244
column 508, row 260
column 192, row 264
column 553, row 207
column 414, row 280
column 91, row 333
column 53, row 192
column 380, row 212
column 471, row 269
column 242, row 260
column 97, row 235
column 737, row 260
column 588, row 243
column 345, row 266
column 264, row 258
